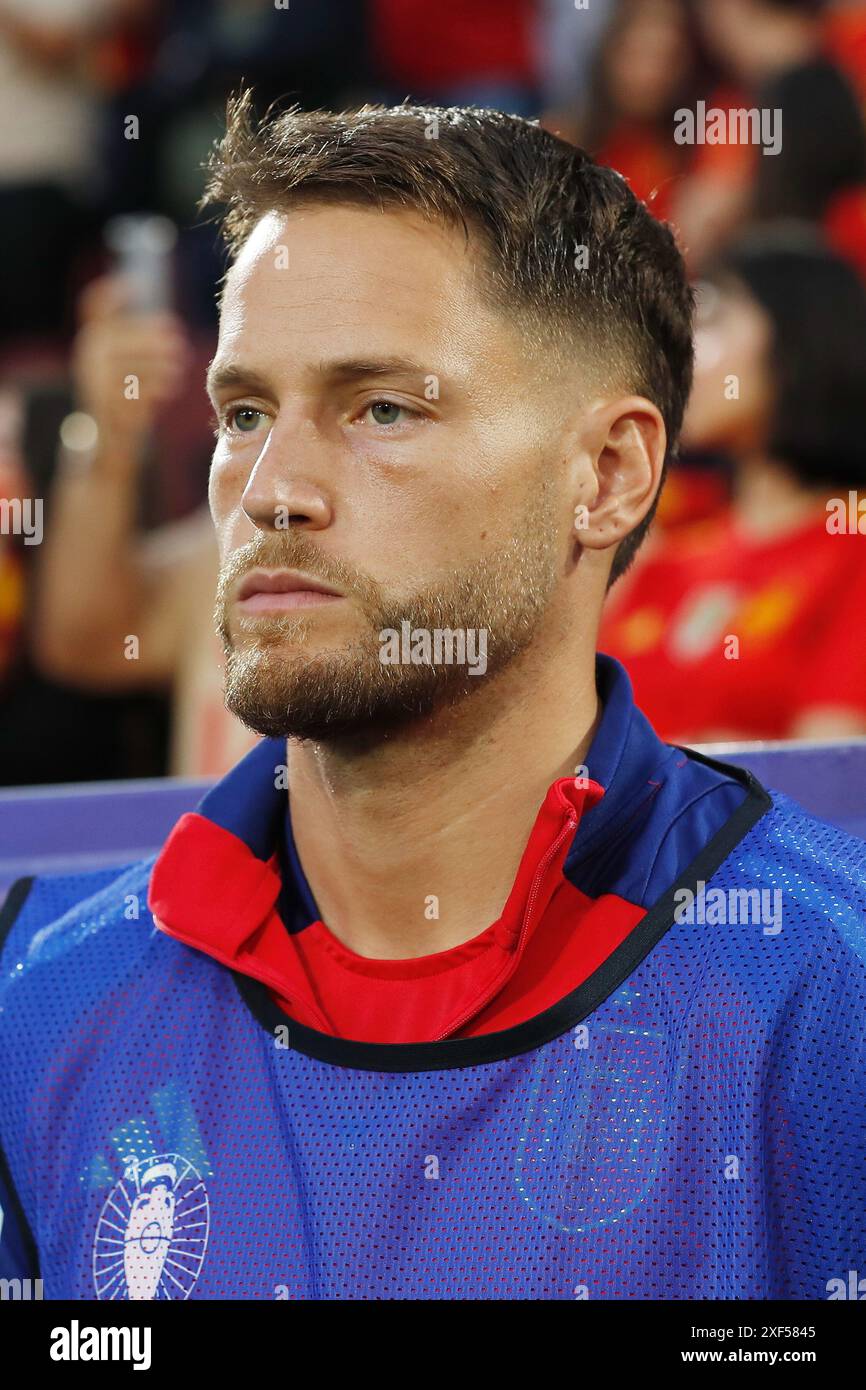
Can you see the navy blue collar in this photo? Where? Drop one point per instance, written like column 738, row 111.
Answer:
column 250, row 799
column 625, row 754
column 659, row 803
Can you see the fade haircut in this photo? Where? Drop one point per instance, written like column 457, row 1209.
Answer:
column 569, row 252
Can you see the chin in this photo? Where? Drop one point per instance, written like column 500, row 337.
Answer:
column 330, row 695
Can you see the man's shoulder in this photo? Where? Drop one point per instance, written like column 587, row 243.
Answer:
column 817, row 869
column 796, row 836
column 63, row 935
column 46, row 907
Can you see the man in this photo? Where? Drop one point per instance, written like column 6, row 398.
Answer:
column 518, row 1001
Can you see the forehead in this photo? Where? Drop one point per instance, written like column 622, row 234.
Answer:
column 357, row 279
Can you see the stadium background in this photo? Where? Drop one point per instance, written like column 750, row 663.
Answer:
column 108, row 107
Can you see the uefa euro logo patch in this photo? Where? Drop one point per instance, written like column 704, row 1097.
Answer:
column 152, row 1233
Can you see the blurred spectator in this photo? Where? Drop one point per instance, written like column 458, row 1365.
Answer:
column 642, row 72
column 458, row 54
column 83, row 71
column 50, row 93
column 567, row 39
column 845, row 37
column 73, row 71
column 697, row 486
column 777, row 53
column 313, row 53
column 13, row 487
column 50, row 731
column 118, row 608
column 749, row 626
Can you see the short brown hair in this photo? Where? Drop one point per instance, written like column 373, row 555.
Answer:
column 569, row 247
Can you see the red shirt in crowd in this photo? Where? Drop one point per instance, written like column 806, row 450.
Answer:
column 729, row 636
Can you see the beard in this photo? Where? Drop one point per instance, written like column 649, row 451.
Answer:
column 281, row 682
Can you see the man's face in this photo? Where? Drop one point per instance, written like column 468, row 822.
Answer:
column 383, row 436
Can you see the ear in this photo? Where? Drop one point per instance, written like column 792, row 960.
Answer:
column 624, row 443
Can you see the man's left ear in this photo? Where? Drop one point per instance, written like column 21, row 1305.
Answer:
column 625, row 441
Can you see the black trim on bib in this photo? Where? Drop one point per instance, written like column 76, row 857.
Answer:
column 15, row 900
column 560, row 1017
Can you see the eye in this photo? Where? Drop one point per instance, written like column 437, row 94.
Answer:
column 239, row 419
column 387, row 412
column 245, row 417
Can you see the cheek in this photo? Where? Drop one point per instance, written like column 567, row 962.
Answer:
column 219, row 494
column 423, row 529
column 225, row 489
column 431, row 505
column 230, row 472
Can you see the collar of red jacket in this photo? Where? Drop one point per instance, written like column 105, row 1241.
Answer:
column 216, row 884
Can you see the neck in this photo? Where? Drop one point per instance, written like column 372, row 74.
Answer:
column 443, row 808
column 769, row 500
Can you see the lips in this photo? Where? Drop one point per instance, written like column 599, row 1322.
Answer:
column 281, row 590
column 283, row 582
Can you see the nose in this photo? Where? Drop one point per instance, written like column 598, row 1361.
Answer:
column 285, row 488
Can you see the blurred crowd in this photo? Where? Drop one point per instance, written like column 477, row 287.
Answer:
column 739, row 619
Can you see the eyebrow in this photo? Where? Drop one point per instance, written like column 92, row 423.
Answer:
column 226, row 374
column 222, row 375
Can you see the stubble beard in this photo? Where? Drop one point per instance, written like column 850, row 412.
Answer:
column 278, row 687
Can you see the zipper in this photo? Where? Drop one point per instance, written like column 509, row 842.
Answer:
column 492, row 989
